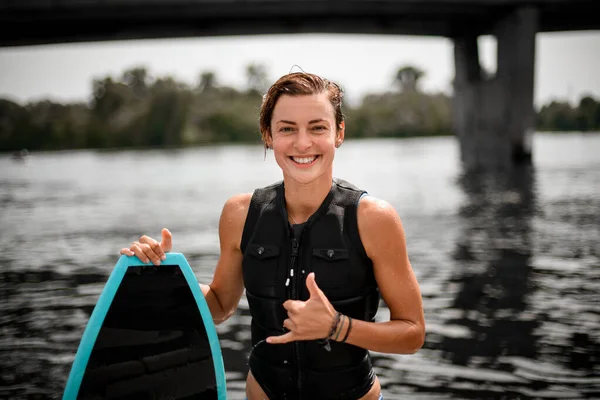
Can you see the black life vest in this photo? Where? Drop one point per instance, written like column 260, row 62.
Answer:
column 275, row 265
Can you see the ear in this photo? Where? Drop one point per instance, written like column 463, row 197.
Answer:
column 339, row 136
column 268, row 139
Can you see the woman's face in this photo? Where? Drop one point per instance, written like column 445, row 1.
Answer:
column 304, row 136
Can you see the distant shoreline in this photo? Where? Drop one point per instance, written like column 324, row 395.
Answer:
column 258, row 144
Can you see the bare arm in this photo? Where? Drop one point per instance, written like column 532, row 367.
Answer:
column 224, row 292
column 383, row 237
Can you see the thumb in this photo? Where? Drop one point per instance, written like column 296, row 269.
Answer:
column 167, row 240
column 311, row 285
column 285, row 338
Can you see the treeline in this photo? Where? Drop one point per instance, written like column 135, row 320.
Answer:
column 561, row 116
column 137, row 110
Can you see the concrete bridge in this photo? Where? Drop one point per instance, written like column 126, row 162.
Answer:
column 493, row 117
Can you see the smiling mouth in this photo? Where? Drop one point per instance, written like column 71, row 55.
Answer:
column 304, row 160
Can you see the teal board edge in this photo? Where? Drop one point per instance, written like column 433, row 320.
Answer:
column 103, row 304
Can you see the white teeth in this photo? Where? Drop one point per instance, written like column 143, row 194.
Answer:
column 304, row 160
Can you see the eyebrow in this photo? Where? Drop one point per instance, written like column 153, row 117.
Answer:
column 314, row 121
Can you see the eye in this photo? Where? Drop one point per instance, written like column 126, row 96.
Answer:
column 286, row 129
column 319, row 128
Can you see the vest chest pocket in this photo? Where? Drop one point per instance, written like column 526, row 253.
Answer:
column 331, row 267
column 260, row 264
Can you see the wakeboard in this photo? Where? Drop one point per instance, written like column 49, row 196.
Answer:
column 150, row 336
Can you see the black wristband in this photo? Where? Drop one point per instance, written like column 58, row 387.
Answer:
column 339, row 330
column 348, row 331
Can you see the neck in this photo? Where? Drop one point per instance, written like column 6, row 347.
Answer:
column 303, row 199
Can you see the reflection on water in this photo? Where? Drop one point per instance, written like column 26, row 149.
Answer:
column 508, row 264
column 494, row 254
column 494, row 274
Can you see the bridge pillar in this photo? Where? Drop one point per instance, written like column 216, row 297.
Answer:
column 494, row 117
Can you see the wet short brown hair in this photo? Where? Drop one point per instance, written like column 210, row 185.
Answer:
column 299, row 84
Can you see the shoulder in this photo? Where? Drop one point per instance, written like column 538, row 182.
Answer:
column 378, row 222
column 233, row 219
column 237, row 205
column 373, row 207
column 235, row 210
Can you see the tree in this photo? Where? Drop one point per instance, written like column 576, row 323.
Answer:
column 137, row 80
column 557, row 116
column 407, row 78
column 109, row 97
column 208, row 81
column 588, row 114
column 256, row 74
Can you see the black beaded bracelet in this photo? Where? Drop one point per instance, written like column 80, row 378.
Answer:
column 325, row 342
column 334, row 325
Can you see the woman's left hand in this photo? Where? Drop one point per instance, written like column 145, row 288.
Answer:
column 307, row 320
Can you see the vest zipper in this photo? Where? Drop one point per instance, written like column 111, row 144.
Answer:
column 293, row 273
column 295, row 289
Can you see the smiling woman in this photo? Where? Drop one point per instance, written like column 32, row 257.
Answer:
column 314, row 254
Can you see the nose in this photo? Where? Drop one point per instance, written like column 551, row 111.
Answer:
column 303, row 140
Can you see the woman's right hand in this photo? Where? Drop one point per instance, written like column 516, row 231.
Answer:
column 149, row 250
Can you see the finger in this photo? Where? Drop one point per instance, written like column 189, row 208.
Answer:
column 150, row 254
column 167, row 240
column 289, row 325
column 285, row 338
column 127, row 252
column 292, row 306
column 311, row 285
column 137, row 250
column 154, row 246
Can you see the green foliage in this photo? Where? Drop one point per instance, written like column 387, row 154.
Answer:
column 403, row 114
column 561, row 116
column 135, row 110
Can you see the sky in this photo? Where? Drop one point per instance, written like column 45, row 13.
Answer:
column 567, row 63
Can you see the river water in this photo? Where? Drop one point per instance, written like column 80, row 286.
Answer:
column 509, row 265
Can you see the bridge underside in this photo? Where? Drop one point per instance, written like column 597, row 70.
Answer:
column 34, row 22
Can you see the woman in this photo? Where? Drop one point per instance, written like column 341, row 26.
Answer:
column 314, row 254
